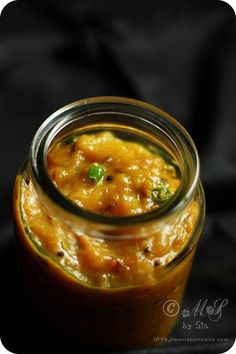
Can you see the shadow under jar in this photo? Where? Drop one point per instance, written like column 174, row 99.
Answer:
column 103, row 252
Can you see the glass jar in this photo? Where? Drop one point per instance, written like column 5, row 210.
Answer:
column 127, row 316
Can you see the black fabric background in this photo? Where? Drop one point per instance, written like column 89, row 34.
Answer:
column 179, row 55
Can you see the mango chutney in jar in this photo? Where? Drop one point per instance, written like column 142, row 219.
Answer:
column 108, row 211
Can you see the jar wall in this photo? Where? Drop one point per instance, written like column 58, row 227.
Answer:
column 127, row 317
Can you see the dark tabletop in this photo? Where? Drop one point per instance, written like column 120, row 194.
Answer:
column 179, row 55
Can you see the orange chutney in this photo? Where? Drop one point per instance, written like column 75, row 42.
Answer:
column 122, row 284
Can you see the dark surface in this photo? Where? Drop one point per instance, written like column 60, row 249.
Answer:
column 179, row 55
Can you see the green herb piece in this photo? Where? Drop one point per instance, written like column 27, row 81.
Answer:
column 159, row 195
column 69, row 140
column 152, row 149
column 162, row 153
column 95, row 172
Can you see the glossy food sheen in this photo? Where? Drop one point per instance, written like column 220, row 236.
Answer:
column 131, row 172
column 132, row 180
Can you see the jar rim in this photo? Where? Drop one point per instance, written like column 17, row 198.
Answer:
column 47, row 132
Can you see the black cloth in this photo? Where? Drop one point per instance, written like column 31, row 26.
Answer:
column 179, row 55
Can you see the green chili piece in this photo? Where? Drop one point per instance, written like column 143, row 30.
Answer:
column 95, row 172
column 162, row 153
column 159, row 195
column 71, row 139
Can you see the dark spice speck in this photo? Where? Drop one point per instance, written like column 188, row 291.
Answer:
column 156, row 262
column 109, row 178
column 73, row 147
column 60, row 254
column 27, row 181
column 147, row 250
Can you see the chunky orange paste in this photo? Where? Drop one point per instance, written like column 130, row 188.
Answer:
column 131, row 175
column 134, row 173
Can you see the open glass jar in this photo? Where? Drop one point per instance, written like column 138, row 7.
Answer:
column 119, row 271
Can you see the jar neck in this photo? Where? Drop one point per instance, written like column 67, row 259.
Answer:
column 131, row 119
